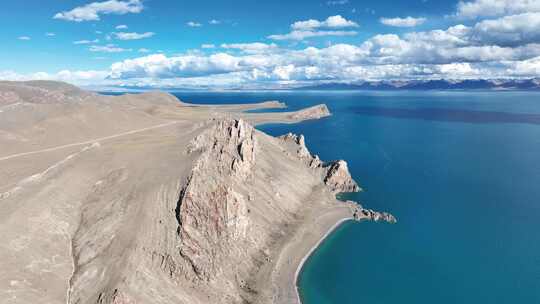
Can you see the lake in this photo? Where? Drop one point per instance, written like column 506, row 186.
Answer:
column 459, row 170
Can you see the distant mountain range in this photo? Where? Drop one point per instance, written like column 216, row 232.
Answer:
column 480, row 84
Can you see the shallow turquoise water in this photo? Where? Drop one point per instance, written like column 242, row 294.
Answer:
column 460, row 171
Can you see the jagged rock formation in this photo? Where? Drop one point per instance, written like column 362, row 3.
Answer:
column 335, row 174
column 361, row 214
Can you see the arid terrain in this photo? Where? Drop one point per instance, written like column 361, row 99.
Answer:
column 147, row 199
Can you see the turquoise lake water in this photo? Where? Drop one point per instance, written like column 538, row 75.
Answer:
column 460, row 171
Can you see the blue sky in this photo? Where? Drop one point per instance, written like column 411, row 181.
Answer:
column 267, row 44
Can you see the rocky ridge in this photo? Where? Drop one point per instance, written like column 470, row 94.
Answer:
column 335, row 174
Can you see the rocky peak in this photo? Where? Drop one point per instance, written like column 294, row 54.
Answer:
column 339, row 179
column 300, row 142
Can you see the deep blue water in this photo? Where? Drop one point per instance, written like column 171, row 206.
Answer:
column 460, row 171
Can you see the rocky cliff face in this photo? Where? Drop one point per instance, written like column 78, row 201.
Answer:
column 212, row 216
column 218, row 224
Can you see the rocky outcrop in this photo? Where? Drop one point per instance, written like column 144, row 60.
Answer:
column 360, row 214
column 335, row 174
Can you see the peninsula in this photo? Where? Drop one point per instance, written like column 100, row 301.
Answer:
column 142, row 198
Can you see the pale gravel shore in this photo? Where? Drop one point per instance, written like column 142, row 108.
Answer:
column 310, row 233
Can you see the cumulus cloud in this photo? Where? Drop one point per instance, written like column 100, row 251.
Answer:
column 109, row 48
column 509, row 30
column 490, row 8
column 92, row 11
column 121, row 27
column 301, row 30
column 214, row 22
column 403, row 22
column 301, row 35
column 527, row 68
column 144, row 50
column 331, row 22
column 457, row 52
column 50, row 34
column 161, row 66
column 24, row 38
column 193, row 24
column 133, row 36
column 208, row 46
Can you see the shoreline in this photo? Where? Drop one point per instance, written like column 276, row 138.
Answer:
column 312, row 230
column 311, row 251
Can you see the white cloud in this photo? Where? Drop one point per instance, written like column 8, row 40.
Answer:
column 86, row 41
column 193, row 24
column 255, row 47
column 301, row 35
column 483, row 8
column 509, row 30
column 527, row 68
column 24, row 38
column 109, row 48
column 50, row 34
column 208, row 46
column 92, row 11
column 214, row 22
column 121, row 27
column 403, row 22
column 144, row 50
column 133, row 36
column 331, row 22
column 314, row 28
